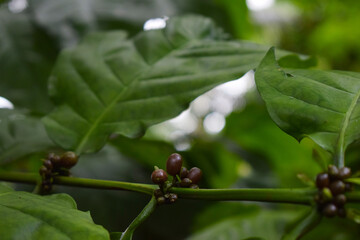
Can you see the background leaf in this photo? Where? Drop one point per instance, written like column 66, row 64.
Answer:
column 322, row 105
column 29, row 216
column 111, row 84
column 26, row 57
column 21, row 135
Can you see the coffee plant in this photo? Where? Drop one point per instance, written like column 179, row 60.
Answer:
column 82, row 105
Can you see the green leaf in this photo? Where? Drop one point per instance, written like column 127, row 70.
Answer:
column 321, row 105
column 26, row 57
column 266, row 224
column 304, row 225
column 115, row 235
column 353, row 180
column 21, row 135
column 112, row 84
column 29, row 216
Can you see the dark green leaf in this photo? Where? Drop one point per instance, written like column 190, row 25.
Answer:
column 111, row 84
column 21, row 135
column 303, row 225
column 322, row 105
column 26, row 57
column 115, row 235
column 29, row 216
column 266, row 224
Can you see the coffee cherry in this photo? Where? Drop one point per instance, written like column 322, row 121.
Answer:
column 341, row 212
column 183, row 172
column 173, row 197
column 48, row 164
column 160, row 200
column 173, row 164
column 55, row 160
column 337, row 187
column 158, row 193
column 330, row 210
column 348, row 187
column 68, row 160
column 322, row 180
column 333, row 171
column 44, row 171
column 185, row 182
column 195, row 175
column 159, row 176
column 340, row 200
column 344, row 172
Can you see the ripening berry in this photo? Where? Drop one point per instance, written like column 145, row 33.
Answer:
column 322, row 180
column 173, row 197
column 344, row 172
column 48, row 164
column 183, row 172
column 333, row 171
column 68, row 160
column 185, row 182
column 173, row 164
column 159, row 176
column 44, row 171
column 195, row 175
column 337, row 187
column 330, row 210
column 340, row 200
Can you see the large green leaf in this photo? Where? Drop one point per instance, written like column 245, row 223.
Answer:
column 21, row 135
column 112, row 84
column 322, row 105
column 29, row 216
column 254, row 223
column 26, row 57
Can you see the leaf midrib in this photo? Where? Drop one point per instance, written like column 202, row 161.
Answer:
column 340, row 150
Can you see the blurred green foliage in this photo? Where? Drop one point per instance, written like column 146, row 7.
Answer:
column 250, row 152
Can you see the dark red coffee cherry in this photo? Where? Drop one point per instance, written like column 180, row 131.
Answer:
column 183, row 172
column 48, row 164
column 344, row 172
column 195, row 175
column 348, row 187
column 185, row 182
column 159, row 176
column 341, row 212
column 68, row 160
column 44, row 171
column 340, row 200
column 322, row 180
column 330, row 210
column 337, row 187
column 174, row 163
column 333, row 171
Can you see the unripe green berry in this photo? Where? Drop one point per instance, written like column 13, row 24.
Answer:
column 160, row 200
column 333, row 171
column 159, row 176
column 173, row 164
column 195, row 175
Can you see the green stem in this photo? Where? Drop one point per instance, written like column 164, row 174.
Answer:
column 281, row 195
column 145, row 213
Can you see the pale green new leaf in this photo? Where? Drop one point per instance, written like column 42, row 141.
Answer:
column 29, row 216
column 322, row 105
column 112, row 84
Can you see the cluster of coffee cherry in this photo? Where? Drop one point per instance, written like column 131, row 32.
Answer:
column 55, row 165
column 330, row 198
column 182, row 177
